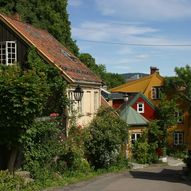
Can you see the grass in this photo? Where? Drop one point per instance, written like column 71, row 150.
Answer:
column 76, row 177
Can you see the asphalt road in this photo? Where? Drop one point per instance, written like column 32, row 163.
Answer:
column 147, row 179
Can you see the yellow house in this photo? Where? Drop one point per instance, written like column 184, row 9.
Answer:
column 150, row 86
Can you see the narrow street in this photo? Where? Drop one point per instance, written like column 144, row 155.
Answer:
column 153, row 178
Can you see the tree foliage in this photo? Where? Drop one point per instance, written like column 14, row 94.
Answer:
column 53, row 17
column 22, row 99
column 180, row 86
column 166, row 118
column 110, row 79
column 49, row 15
column 145, row 148
column 107, row 133
column 25, row 95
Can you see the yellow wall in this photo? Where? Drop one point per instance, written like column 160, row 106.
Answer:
column 87, row 104
column 184, row 127
column 155, row 81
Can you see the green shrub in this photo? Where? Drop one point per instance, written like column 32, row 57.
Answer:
column 10, row 182
column 107, row 133
column 140, row 152
column 177, row 151
column 145, row 151
column 41, row 144
column 47, row 148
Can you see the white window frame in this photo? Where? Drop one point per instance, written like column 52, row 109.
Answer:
column 135, row 138
column 140, row 107
column 178, row 138
column 155, row 92
column 8, row 52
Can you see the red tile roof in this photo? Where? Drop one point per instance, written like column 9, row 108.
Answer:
column 53, row 51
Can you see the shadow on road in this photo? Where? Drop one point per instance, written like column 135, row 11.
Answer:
column 169, row 175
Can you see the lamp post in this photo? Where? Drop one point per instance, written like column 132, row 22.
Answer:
column 126, row 98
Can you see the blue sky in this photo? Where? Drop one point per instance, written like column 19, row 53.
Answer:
column 96, row 24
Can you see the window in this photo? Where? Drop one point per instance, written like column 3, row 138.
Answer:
column 140, row 108
column 135, row 137
column 156, row 92
column 8, row 52
column 178, row 138
column 179, row 116
column 96, row 101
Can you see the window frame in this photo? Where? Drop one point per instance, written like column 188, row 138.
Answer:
column 178, row 138
column 137, row 135
column 8, row 52
column 156, row 92
column 142, row 107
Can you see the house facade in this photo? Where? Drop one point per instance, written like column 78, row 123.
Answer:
column 136, row 124
column 17, row 37
column 150, row 87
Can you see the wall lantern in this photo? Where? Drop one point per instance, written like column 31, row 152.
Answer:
column 78, row 93
column 125, row 97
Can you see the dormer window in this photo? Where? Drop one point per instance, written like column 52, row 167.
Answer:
column 8, row 52
column 156, row 92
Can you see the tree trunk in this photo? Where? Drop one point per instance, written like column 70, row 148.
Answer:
column 12, row 159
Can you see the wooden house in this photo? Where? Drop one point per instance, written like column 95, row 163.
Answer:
column 15, row 39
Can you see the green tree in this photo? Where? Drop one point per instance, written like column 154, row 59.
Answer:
column 49, row 15
column 90, row 62
column 113, row 79
column 166, row 115
column 110, row 79
column 180, row 86
column 25, row 95
column 107, row 133
column 145, row 148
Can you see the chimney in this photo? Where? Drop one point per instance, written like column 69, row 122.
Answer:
column 153, row 70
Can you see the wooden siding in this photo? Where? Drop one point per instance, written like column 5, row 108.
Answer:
column 6, row 34
column 149, row 112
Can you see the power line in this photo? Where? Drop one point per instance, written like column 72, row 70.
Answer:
column 134, row 44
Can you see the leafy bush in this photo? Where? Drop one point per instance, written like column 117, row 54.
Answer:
column 46, row 147
column 140, row 151
column 107, row 133
column 145, row 151
column 10, row 182
column 177, row 151
column 41, row 144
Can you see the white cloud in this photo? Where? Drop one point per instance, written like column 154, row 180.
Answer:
column 75, row 3
column 130, row 34
column 106, row 31
column 146, row 9
column 142, row 56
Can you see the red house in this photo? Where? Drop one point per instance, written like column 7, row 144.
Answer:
column 138, row 102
